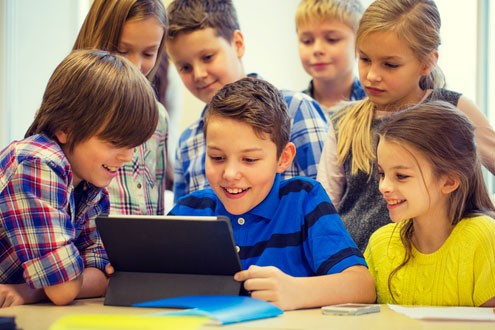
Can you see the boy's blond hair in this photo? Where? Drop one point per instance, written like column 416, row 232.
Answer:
column 348, row 12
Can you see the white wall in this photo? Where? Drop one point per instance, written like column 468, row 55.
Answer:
column 36, row 35
column 272, row 50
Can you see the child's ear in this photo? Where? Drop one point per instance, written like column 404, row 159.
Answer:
column 450, row 184
column 430, row 63
column 238, row 43
column 62, row 136
column 286, row 157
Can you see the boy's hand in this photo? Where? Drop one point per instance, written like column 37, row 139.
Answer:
column 109, row 270
column 18, row 294
column 270, row 284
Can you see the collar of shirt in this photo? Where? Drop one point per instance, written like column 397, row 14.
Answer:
column 266, row 209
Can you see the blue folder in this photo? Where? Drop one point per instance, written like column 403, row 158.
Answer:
column 222, row 309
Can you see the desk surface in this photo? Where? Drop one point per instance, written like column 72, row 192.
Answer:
column 41, row 316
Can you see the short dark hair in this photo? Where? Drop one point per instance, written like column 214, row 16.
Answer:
column 254, row 102
column 192, row 15
column 96, row 93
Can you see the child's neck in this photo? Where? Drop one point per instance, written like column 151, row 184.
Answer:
column 431, row 233
column 387, row 109
column 328, row 93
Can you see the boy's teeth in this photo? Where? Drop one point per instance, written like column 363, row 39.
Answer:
column 111, row 168
column 394, row 202
column 234, row 190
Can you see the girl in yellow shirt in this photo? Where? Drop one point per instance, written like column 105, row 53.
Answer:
column 441, row 249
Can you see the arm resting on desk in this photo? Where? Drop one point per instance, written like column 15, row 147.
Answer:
column 354, row 284
column 92, row 283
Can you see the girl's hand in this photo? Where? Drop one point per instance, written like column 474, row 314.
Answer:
column 270, row 284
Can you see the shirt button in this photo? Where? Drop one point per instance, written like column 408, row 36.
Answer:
column 139, row 186
column 237, row 248
column 241, row 221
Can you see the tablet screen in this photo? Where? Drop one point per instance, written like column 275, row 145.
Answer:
column 170, row 244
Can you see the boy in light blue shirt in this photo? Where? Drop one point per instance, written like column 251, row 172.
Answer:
column 206, row 46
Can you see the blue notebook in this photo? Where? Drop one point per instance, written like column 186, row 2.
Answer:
column 222, row 309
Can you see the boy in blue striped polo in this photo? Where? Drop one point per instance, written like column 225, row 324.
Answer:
column 293, row 246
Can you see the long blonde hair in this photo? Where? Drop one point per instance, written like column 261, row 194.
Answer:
column 418, row 23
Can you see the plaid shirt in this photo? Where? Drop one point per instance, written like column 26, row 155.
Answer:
column 357, row 93
column 308, row 132
column 44, row 238
column 139, row 187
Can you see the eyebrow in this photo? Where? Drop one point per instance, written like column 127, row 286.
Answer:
column 382, row 57
column 128, row 44
column 243, row 150
column 401, row 167
column 328, row 31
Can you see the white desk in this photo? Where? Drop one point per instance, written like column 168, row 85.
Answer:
column 41, row 316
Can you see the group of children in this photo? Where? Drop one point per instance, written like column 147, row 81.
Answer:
column 402, row 165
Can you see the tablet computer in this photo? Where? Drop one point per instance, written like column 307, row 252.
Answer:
column 157, row 257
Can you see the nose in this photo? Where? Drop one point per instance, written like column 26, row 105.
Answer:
column 136, row 60
column 231, row 171
column 125, row 155
column 318, row 47
column 199, row 72
column 384, row 186
column 373, row 73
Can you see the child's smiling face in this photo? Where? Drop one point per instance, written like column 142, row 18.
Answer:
column 408, row 183
column 94, row 160
column 240, row 165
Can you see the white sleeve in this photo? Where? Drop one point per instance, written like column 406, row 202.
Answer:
column 484, row 133
column 330, row 174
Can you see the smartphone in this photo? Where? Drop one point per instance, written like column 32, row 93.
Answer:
column 350, row 309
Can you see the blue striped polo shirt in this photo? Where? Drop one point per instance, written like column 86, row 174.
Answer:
column 295, row 228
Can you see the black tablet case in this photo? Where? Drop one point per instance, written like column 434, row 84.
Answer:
column 163, row 257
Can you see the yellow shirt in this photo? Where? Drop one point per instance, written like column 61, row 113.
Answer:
column 460, row 273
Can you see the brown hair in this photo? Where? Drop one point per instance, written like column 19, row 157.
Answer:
column 192, row 15
column 256, row 103
column 103, row 25
column 96, row 93
column 422, row 127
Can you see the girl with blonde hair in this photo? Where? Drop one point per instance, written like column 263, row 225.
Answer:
column 397, row 44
